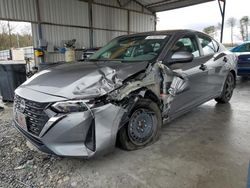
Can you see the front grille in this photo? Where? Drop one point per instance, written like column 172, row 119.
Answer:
column 36, row 118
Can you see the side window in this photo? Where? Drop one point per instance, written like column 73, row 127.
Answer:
column 156, row 46
column 244, row 48
column 248, row 47
column 216, row 46
column 187, row 44
column 207, row 45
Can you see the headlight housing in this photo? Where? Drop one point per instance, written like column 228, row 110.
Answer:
column 70, row 106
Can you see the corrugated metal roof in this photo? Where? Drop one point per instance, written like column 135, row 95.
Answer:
column 162, row 5
column 68, row 19
column 150, row 6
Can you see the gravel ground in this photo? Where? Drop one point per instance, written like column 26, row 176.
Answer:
column 22, row 165
column 19, row 165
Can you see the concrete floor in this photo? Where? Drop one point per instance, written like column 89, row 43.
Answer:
column 208, row 147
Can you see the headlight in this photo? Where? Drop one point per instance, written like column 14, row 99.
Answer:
column 69, row 106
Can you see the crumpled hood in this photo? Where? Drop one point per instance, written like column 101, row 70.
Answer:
column 83, row 80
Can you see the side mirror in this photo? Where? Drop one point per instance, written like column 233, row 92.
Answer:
column 181, row 57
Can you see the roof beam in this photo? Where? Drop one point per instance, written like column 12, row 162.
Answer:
column 126, row 3
column 158, row 3
column 119, row 3
column 143, row 6
column 222, row 11
column 173, row 4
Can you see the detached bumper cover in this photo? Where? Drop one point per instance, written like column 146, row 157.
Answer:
column 81, row 134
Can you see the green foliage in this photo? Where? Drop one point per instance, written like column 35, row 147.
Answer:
column 244, row 23
column 7, row 42
column 231, row 22
column 8, row 39
column 209, row 30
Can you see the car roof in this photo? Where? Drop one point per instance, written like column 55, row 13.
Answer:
column 167, row 32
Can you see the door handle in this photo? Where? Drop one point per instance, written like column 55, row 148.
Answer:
column 203, row 67
column 225, row 59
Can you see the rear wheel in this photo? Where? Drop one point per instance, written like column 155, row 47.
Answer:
column 228, row 88
column 143, row 127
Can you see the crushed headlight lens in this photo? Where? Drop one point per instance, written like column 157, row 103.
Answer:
column 69, row 106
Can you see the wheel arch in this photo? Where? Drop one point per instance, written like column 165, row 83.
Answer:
column 234, row 74
column 143, row 93
column 149, row 94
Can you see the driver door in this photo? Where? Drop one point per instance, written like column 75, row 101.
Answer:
column 192, row 72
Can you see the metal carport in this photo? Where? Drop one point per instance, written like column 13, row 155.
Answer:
column 91, row 22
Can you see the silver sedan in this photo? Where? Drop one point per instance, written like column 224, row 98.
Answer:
column 121, row 95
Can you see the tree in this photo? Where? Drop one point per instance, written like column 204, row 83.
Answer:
column 3, row 27
column 231, row 22
column 242, row 31
column 244, row 23
column 9, row 38
column 210, row 30
column 26, row 30
column 6, row 32
column 3, row 35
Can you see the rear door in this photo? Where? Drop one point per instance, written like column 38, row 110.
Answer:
column 213, row 61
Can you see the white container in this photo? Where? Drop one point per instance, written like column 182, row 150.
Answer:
column 17, row 54
column 70, row 55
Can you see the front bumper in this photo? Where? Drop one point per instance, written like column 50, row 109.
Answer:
column 81, row 134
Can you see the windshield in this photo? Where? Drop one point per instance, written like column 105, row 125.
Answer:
column 132, row 48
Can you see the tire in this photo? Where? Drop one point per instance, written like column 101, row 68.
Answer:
column 228, row 88
column 143, row 127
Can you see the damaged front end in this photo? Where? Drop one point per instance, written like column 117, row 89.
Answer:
column 71, row 127
column 92, row 133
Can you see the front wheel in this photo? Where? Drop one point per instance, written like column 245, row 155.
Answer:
column 143, row 127
column 228, row 88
